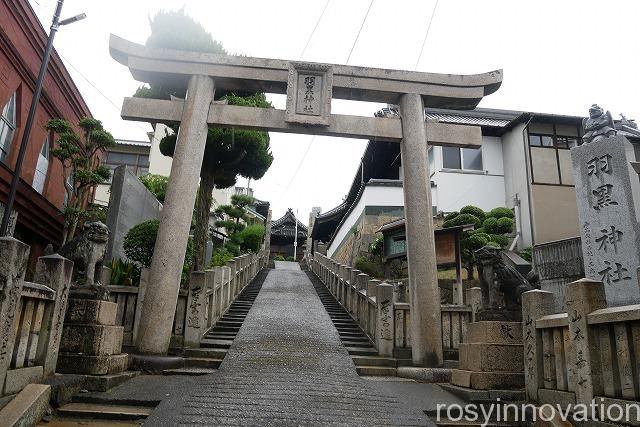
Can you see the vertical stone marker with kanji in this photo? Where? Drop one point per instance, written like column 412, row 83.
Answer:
column 607, row 193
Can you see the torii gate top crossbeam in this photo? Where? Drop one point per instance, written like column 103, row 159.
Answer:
column 271, row 75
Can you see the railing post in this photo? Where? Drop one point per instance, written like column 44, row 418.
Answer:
column 361, row 284
column 333, row 283
column 535, row 304
column 384, row 332
column 105, row 276
column 582, row 297
column 219, row 276
column 210, row 297
column 194, row 326
column 13, row 264
column 142, row 290
column 233, row 279
column 54, row 272
column 474, row 299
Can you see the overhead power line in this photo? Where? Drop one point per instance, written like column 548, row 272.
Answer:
column 359, row 31
column 113, row 104
column 314, row 29
column 306, row 152
column 424, row 41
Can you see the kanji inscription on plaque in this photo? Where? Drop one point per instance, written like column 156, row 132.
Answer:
column 309, row 93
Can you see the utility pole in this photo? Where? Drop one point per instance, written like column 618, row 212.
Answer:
column 15, row 180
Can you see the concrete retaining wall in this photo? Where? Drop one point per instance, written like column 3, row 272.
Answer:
column 130, row 203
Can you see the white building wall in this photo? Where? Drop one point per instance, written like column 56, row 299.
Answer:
column 516, row 180
column 373, row 195
column 457, row 188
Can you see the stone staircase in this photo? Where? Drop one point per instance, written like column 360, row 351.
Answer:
column 362, row 351
column 217, row 341
column 87, row 410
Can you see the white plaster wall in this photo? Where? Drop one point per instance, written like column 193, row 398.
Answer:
column 372, row 196
column 455, row 188
column 159, row 164
column 516, row 179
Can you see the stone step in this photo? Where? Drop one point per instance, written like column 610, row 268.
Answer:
column 212, row 353
column 349, row 329
column 202, row 362
column 75, row 422
column 362, row 351
column 101, row 411
column 218, row 337
column 352, row 333
column 226, row 335
column 388, row 362
column 359, row 338
column 215, row 343
column 376, row 371
column 229, row 318
column 190, row 371
column 347, row 324
column 349, row 343
column 229, row 323
column 233, row 329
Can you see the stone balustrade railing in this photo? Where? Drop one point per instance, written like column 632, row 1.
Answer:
column 381, row 312
column 589, row 352
column 31, row 315
column 210, row 294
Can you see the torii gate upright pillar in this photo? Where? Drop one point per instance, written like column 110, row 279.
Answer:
column 426, row 332
column 160, row 300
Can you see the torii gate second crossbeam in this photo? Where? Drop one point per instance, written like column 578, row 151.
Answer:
column 309, row 87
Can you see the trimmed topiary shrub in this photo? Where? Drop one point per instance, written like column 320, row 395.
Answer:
column 505, row 225
column 500, row 239
column 140, row 241
column 462, row 219
column 501, row 213
column 450, row 216
column 473, row 210
column 490, row 225
column 278, row 258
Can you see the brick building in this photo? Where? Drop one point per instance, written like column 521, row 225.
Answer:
column 41, row 194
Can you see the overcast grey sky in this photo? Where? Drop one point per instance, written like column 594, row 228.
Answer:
column 558, row 57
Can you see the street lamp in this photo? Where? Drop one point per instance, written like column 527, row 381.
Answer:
column 55, row 24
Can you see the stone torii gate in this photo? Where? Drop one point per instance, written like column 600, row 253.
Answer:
column 309, row 88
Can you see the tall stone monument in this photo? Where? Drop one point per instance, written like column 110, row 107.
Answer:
column 607, row 193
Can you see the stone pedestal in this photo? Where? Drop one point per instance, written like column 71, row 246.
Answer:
column 91, row 342
column 492, row 359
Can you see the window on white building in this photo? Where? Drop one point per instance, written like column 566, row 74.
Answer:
column 42, row 167
column 7, row 127
column 462, row 158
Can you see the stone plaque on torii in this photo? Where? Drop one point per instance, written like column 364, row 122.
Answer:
column 309, row 88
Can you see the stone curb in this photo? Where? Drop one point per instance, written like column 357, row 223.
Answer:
column 425, row 375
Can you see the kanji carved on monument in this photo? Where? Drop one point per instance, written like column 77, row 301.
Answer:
column 606, row 190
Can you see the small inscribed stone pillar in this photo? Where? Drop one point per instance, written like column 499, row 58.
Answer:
column 607, row 189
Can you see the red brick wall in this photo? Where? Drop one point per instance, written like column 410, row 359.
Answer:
column 22, row 44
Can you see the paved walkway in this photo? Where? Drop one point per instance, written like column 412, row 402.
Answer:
column 287, row 367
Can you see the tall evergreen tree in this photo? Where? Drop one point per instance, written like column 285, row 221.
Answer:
column 229, row 153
